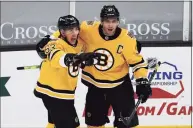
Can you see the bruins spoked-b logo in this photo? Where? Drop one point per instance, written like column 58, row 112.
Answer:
column 73, row 70
column 105, row 63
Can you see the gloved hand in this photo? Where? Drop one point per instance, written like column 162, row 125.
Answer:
column 85, row 56
column 86, row 59
column 69, row 59
column 91, row 58
column 40, row 46
column 82, row 59
column 143, row 89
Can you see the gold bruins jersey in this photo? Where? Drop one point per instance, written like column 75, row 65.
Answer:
column 56, row 79
column 121, row 51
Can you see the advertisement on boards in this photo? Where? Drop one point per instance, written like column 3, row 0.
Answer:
column 19, row 27
column 169, row 105
column 164, row 23
column 24, row 25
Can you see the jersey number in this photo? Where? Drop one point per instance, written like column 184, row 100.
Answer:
column 49, row 48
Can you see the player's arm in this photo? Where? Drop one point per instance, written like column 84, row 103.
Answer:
column 56, row 54
column 135, row 59
column 85, row 29
column 59, row 58
column 43, row 42
column 139, row 68
column 138, row 43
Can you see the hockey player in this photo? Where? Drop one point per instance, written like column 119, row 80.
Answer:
column 58, row 75
column 109, row 83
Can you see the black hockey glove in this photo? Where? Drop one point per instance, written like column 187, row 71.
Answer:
column 83, row 59
column 143, row 89
column 90, row 58
column 40, row 46
column 69, row 59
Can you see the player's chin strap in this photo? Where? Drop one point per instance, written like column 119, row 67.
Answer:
column 127, row 120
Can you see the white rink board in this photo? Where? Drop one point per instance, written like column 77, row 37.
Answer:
column 23, row 109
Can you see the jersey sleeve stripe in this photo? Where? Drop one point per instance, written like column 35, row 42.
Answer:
column 41, row 64
column 140, row 68
column 52, row 53
column 143, row 65
column 132, row 65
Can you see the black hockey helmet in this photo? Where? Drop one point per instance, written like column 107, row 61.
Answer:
column 109, row 11
column 68, row 21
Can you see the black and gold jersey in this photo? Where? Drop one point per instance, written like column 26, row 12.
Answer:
column 56, row 79
column 122, row 53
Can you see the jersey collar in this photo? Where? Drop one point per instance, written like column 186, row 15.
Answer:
column 117, row 33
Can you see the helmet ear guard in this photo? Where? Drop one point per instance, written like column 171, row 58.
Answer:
column 109, row 11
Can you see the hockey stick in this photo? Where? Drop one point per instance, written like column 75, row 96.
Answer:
column 28, row 67
column 127, row 120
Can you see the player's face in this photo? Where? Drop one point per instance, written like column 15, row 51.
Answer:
column 71, row 34
column 110, row 25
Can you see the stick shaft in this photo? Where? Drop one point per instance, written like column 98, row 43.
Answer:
column 28, row 67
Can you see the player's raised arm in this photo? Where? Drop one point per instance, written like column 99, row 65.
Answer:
column 44, row 41
column 85, row 28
